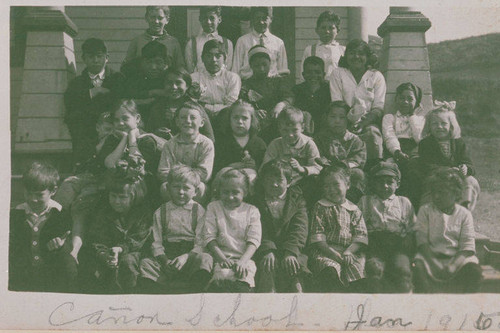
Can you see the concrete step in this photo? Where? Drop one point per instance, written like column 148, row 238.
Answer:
column 491, row 280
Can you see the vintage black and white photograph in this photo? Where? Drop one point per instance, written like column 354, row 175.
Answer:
column 206, row 149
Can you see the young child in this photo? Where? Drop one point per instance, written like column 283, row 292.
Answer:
column 337, row 236
column 445, row 238
column 443, row 146
column 295, row 148
column 338, row 145
column 390, row 220
column 210, row 18
column 39, row 258
column 232, row 235
column 120, row 228
column 177, row 226
column 157, row 18
column 82, row 101
column 219, row 86
column 261, row 18
column 189, row 147
column 178, row 89
column 282, row 263
column 328, row 49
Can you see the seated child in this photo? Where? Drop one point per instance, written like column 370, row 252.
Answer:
column 157, row 18
column 178, row 89
column 189, row 147
column 445, row 238
column 219, row 86
column 39, row 258
column 293, row 147
column 338, row 145
column 120, row 228
column 337, row 236
column 232, row 234
column 282, row 263
column 210, row 18
column 327, row 48
column 177, row 226
column 443, row 146
column 261, row 18
column 390, row 221
column 82, row 101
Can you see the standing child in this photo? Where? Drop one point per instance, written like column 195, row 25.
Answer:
column 328, row 49
column 210, row 18
column 177, row 243
column 390, row 221
column 338, row 234
column 282, row 263
column 38, row 257
column 445, row 238
column 157, row 18
column 233, row 234
column 261, row 18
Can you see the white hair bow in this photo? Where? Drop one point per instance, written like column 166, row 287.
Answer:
column 450, row 106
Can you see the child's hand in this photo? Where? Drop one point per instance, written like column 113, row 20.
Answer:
column 261, row 114
column 450, row 269
column 247, row 160
column 113, row 258
column 133, row 135
column 164, row 263
column 121, row 134
column 241, row 269
column 268, row 262
column 463, row 169
column 179, row 261
column 292, row 265
column 400, row 156
column 58, row 242
column 227, row 263
column 296, row 166
column 348, row 258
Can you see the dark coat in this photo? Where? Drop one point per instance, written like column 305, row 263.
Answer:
column 431, row 156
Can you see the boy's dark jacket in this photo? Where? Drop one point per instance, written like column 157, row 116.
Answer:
column 431, row 156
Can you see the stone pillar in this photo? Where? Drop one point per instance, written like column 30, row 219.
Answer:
column 404, row 53
column 357, row 23
column 49, row 65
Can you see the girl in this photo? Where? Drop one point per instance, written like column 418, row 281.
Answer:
column 179, row 89
column 282, row 264
column 363, row 88
column 121, row 225
column 445, row 239
column 443, row 146
column 232, row 234
column 338, row 234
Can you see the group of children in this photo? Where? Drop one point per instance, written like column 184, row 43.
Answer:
column 225, row 180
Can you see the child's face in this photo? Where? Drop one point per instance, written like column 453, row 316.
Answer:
column 126, row 121
column 405, row 101
column 261, row 22
column 189, row 121
column 385, row 186
column 38, row 201
column 335, row 188
column 156, row 20
column 440, row 126
column 290, row 132
column 213, row 60
column 153, row 67
column 104, row 129
column 95, row 62
column 275, row 186
column 336, row 121
column 327, row 31
column 356, row 59
column 210, row 22
column 444, row 198
column 175, row 86
column 241, row 121
column 120, row 202
column 232, row 193
column 260, row 67
column 313, row 74
column 182, row 192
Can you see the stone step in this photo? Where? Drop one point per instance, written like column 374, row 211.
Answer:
column 491, row 280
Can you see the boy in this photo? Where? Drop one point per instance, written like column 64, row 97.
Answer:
column 176, row 232
column 261, row 18
column 157, row 18
column 38, row 257
column 210, row 18
column 390, row 221
column 328, row 49
column 294, row 147
column 84, row 99
column 220, row 87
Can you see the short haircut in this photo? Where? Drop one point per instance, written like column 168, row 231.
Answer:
column 330, row 17
column 254, row 124
column 417, row 91
column 166, row 10
column 455, row 131
column 258, row 51
column 447, row 177
column 371, row 57
column 93, row 46
column 206, row 10
column 290, row 114
column 191, row 105
column 213, row 44
column 183, row 174
column 154, row 49
column 276, row 168
column 234, row 174
column 335, row 170
column 268, row 11
column 338, row 105
column 313, row 60
column 40, row 176
column 180, row 72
